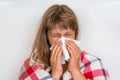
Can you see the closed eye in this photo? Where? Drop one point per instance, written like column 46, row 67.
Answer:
column 68, row 34
column 55, row 35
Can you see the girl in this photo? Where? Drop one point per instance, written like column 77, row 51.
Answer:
column 43, row 64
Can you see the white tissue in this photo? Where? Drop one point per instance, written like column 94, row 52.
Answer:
column 65, row 56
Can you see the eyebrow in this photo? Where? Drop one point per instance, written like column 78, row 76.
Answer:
column 58, row 33
column 69, row 32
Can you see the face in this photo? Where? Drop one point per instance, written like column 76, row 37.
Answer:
column 55, row 34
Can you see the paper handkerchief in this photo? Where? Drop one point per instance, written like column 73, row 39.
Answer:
column 65, row 56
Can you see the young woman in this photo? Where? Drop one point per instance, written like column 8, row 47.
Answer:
column 43, row 64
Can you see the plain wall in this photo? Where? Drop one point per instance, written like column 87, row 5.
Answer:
column 99, row 22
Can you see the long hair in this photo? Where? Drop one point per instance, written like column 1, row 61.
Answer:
column 61, row 15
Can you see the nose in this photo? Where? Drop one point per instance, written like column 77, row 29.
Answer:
column 62, row 36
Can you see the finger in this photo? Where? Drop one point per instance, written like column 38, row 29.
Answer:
column 55, row 45
column 70, row 52
column 73, row 55
column 75, row 48
column 71, row 46
column 59, row 55
column 54, row 49
column 58, row 51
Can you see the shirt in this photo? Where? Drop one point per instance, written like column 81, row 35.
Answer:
column 91, row 67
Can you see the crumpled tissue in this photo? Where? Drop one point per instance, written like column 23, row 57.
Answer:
column 65, row 56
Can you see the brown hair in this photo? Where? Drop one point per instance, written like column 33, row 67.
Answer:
column 56, row 14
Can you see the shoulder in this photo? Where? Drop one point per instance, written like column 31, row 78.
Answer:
column 89, row 62
column 92, row 67
column 31, row 70
column 86, row 57
column 28, row 63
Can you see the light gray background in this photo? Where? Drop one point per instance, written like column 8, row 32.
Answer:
column 99, row 24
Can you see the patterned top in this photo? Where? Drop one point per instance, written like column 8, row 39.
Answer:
column 91, row 67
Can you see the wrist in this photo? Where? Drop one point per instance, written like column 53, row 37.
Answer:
column 76, row 71
column 56, row 76
column 77, row 75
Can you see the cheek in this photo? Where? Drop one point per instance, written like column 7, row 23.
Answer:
column 72, row 37
column 52, row 40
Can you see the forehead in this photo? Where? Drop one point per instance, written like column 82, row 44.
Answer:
column 58, row 27
column 60, row 30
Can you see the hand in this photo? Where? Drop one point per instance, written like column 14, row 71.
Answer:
column 73, row 65
column 55, row 61
column 74, row 52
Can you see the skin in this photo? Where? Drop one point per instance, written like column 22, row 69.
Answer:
column 57, row 69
